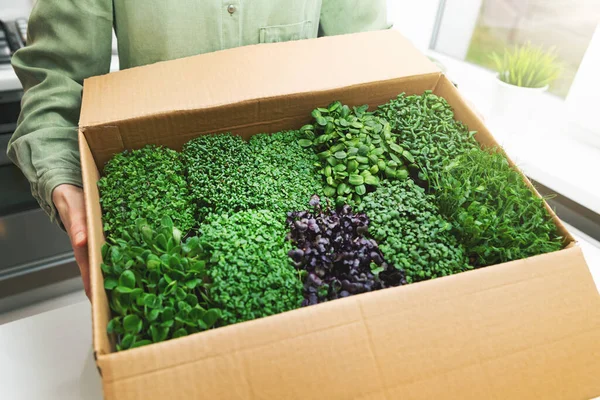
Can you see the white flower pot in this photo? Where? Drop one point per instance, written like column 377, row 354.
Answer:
column 513, row 106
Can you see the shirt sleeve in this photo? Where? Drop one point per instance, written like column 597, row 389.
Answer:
column 340, row 17
column 68, row 41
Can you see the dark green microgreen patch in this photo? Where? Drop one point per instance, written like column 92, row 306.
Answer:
column 148, row 183
column 426, row 126
column 411, row 233
column 356, row 150
column 334, row 255
column 156, row 285
column 252, row 276
column 271, row 172
column 494, row 213
column 284, row 170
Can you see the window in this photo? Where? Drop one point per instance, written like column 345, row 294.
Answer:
column 552, row 135
column 493, row 25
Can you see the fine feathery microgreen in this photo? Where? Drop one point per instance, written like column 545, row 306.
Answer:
column 411, row 233
column 251, row 274
column 217, row 171
column 156, row 285
column 357, row 150
column 426, row 126
column 148, row 183
column 271, row 172
column 334, row 255
column 494, row 213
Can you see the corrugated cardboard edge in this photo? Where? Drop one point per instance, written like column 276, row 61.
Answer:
column 134, row 133
column 100, row 307
column 249, row 72
column 338, row 349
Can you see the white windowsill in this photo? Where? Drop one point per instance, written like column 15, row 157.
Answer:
column 551, row 151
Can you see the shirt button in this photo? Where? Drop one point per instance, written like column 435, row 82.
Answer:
column 231, row 8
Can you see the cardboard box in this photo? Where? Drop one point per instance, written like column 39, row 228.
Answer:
column 524, row 329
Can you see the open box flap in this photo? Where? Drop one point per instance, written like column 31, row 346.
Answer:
column 242, row 90
column 250, row 72
column 525, row 329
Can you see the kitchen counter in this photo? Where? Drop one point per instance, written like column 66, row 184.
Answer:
column 49, row 356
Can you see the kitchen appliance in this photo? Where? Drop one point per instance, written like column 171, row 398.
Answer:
column 36, row 260
column 13, row 36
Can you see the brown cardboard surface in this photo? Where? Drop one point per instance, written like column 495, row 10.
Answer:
column 511, row 331
column 245, row 90
column 526, row 329
column 242, row 118
column 250, row 73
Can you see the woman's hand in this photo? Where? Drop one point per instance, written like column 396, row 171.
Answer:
column 68, row 200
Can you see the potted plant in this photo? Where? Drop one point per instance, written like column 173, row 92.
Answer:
column 524, row 73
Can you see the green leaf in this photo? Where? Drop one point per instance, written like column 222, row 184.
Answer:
column 158, row 333
column 132, row 324
column 211, row 317
column 123, row 289
column 166, row 222
column 110, row 283
column 152, row 315
column 168, row 314
column 397, row 148
column 329, row 191
column 372, row 180
column 151, row 300
column 305, row 142
column 321, row 121
column 352, row 165
column 161, row 242
column 126, row 342
column 141, row 343
column 192, row 283
column 181, row 332
column 340, row 155
column 115, row 255
column 198, row 267
column 153, row 262
column 356, row 180
column 106, row 269
column 360, row 190
column 127, row 279
column 408, row 156
column 307, row 128
column 401, row 174
column 114, row 325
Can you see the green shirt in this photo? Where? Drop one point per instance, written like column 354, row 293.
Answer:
column 70, row 40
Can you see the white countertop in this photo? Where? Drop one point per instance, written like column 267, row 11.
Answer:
column 49, row 356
